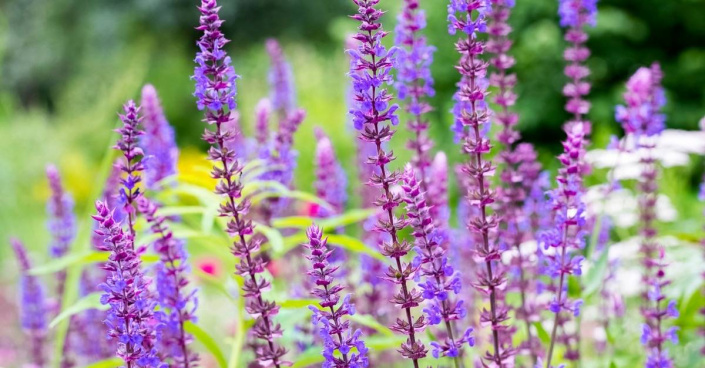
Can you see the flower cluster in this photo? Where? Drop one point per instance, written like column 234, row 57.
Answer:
column 414, row 81
column 33, row 311
column 441, row 280
column 281, row 81
column 472, row 118
column 177, row 304
column 328, row 319
column 61, row 222
column 130, row 318
column 438, row 191
column 215, row 90
column 158, row 141
column 330, row 181
column 562, row 243
column 131, row 164
column 369, row 70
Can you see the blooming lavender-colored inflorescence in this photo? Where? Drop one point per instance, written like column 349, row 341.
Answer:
column 33, row 311
column 131, row 164
column 215, row 90
column 158, row 141
column 177, row 304
column 130, row 318
column 641, row 118
column 61, row 222
column 414, row 82
column 281, row 81
column 369, row 70
column 472, row 115
column 441, row 281
column 566, row 238
column 438, row 191
column 330, row 177
column 335, row 331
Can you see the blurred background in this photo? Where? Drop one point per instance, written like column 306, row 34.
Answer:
column 66, row 66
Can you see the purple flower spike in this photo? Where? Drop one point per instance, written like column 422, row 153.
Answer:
column 330, row 177
column 131, row 164
column 158, row 144
column 263, row 111
column 369, row 70
column 33, row 311
column 441, row 281
column 566, row 238
column 414, row 82
column 328, row 317
column 472, row 121
column 61, row 222
column 438, row 191
column 130, row 318
column 641, row 118
column 177, row 304
column 576, row 15
column 215, row 90
column 281, row 81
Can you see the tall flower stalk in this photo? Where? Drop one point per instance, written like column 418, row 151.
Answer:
column 414, row 82
column 130, row 318
column 177, row 303
column 472, row 115
column 441, row 281
column 566, row 238
column 369, row 71
column 215, row 92
column 158, row 142
column 131, row 164
column 335, row 331
column 641, row 118
column 33, row 311
column 61, row 222
column 330, row 181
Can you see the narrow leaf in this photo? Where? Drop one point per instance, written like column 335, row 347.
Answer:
column 107, row 363
column 207, row 341
column 90, row 301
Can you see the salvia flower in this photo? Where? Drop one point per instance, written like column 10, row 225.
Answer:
column 131, row 165
column 130, row 318
column 342, row 347
column 468, row 16
column 281, row 81
column 566, row 238
column 369, row 70
column 177, row 304
column 33, row 311
column 263, row 111
column 331, row 180
column 61, row 222
column 441, row 281
column 641, row 117
column 414, row 82
column 158, row 143
column 438, row 191
column 215, row 90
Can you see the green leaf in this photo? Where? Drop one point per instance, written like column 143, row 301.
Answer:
column 297, row 303
column 309, row 357
column 596, row 275
column 90, row 301
column 330, row 223
column 574, row 287
column 274, row 237
column 180, row 210
column 371, row 322
column 208, row 342
column 71, row 260
column 613, row 365
column 107, row 363
column 542, row 334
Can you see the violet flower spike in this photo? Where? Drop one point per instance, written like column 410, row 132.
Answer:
column 215, row 90
column 568, row 233
column 438, row 191
column 281, row 81
column 177, row 304
column 331, row 180
column 335, row 331
column 414, row 82
column 158, row 143
column 369, row 70
column 131, row 164
column 61, row 222
column 441, row 281
column 130, row 318
column 641, row 118
column 468, row 16
column 33, row 311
